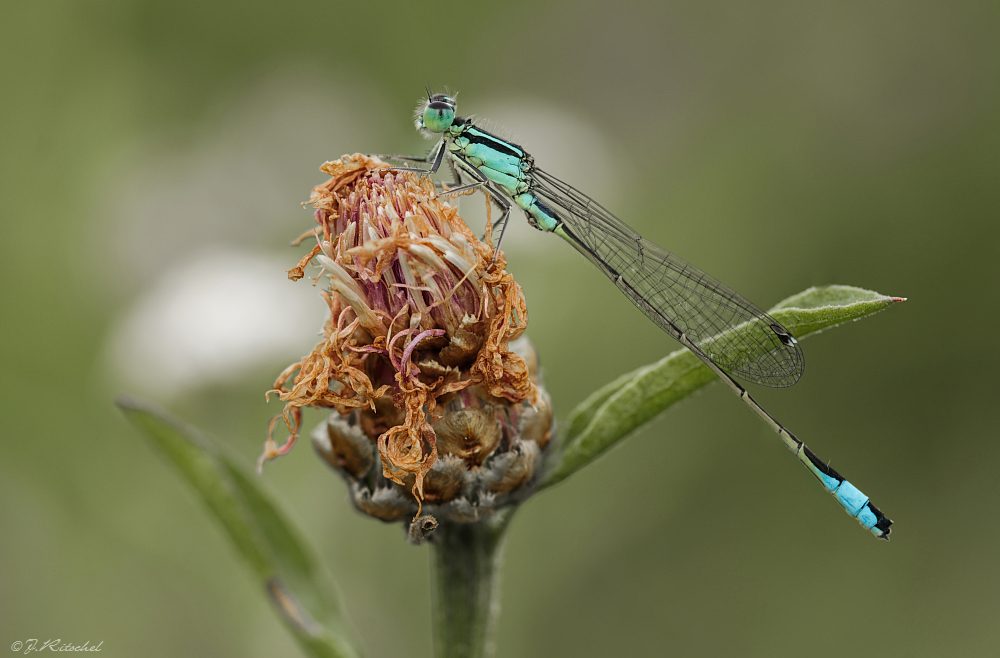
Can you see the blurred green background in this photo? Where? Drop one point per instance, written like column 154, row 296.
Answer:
column 153, row 158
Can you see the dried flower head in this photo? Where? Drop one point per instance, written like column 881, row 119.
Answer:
column 416, row 357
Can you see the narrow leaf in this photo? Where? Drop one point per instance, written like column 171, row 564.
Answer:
column 285, row 569
column 624, row 406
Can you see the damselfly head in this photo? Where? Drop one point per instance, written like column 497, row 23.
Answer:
column 435, row 114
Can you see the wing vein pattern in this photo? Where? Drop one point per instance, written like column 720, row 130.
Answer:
column 734, row 333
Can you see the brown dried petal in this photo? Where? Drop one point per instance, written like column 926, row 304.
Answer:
column 465, row 343
column 420, row 309
column 443, row 482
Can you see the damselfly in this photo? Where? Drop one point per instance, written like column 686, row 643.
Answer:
column 729, row 333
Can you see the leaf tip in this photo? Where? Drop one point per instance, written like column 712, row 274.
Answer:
column 897, row 299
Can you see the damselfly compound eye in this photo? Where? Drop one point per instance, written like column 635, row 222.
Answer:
column 439, row 115
column 443, row 98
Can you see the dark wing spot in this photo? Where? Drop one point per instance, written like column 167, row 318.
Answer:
column 785, row 337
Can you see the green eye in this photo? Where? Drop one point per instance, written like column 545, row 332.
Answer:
column 438, row 116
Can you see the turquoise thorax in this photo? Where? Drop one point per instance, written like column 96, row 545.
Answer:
column 504, row 164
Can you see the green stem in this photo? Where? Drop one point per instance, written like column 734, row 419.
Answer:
column 467, row 561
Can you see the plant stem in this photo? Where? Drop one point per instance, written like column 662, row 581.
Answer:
column 467, row 562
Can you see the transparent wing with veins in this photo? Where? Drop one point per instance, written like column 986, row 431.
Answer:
column 674, row 294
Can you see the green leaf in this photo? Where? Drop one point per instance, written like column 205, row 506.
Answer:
column 617, row 410
column 286, row 571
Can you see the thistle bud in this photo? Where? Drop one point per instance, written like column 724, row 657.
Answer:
column 437, row 407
